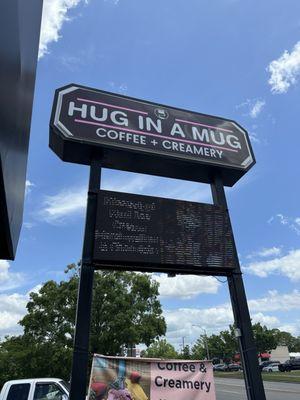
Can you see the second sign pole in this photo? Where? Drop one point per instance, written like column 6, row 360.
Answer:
column 252, row 375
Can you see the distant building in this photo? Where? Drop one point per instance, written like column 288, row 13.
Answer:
column 281, row 354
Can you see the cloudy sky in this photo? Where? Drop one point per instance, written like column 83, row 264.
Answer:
column 232, row 58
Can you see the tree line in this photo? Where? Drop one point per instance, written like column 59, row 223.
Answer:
column 224, row 346
column 126, row 311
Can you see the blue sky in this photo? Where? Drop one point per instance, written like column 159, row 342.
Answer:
column 232, row 58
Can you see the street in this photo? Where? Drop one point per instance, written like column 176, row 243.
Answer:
column 234, row 389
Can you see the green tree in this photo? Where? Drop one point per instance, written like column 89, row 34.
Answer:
column 161, row 349
column 264, row 338
column 126, row 311
column 286, row 339
column 186, row 353
column 199, row 351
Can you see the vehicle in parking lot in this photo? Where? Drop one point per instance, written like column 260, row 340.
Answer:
column 35, row 389
column 271, row 368
column 266, row 363
column 233, row 367
column 290, row 365
column 219, row 367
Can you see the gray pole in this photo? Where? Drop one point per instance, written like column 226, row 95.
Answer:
column 252, row 375
column 206, row 345
column 85, row 293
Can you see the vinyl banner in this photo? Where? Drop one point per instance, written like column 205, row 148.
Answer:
column 115, row 378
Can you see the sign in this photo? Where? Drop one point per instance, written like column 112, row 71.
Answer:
column 139, row 136
column 19, row 43
column 156, row 234
column 116, row 378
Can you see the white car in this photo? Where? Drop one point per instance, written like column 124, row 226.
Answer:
column 271, row 368
column 35, row 389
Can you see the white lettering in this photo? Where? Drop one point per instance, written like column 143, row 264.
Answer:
column 141, row 122
column 233, row 141
column 177, row 130
column 99, row 132
column 203, row 135
column 94, row 116
column 82, row 109
column 221, row 140
column 122, row 120
column 150, row 123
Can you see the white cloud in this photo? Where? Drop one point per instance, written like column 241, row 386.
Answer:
column 256, row 108
column 9, row 280
column 55, row 13
column 72, row 201
column 186, row 286
column 285, row 70
column 252, row 107
column 293, row 328
column 267, row 320
column 12, row 309
column 180, row 322
column 28, row 186
column 28, row 225
column 272, row 251
column 55, row 209
column 276, row 301
column 292, row 223
column 266, row 252
column 115, row 2
column 288, row 265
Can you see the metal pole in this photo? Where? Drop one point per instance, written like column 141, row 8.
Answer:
column 85, row 293
column 205, row 340
column 206, row 345
column 253, row 379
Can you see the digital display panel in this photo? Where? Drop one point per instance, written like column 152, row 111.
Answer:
column 160, row 234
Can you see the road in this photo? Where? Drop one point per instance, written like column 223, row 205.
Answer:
column 234, row 389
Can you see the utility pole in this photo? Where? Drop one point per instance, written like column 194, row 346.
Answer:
column 205, row 340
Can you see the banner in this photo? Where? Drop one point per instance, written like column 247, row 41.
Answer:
column 116, row 378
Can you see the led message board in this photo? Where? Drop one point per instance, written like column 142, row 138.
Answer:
column 139, row 136
column 157, row 234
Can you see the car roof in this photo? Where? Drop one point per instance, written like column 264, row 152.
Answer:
column 34, row 380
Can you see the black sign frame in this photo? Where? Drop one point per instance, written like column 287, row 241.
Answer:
column 132, row 159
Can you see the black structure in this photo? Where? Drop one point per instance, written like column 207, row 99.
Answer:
column 253, row 379
column 145, row 233
column 128, row 231
column 19, row 40
column 139, row 136
column 85, row 292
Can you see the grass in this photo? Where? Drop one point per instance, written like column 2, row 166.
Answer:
column 290, row 377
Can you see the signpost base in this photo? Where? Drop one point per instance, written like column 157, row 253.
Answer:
column 253, row 379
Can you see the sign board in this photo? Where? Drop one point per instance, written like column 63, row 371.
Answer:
column 19, row 43
column 116, row 378
column 155, row 234
column 139, row 136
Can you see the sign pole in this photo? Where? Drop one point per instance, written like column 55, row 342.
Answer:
column 253, row 379
column 85, row 292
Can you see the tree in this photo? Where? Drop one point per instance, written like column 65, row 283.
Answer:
column 223, row 346
column 199, row 351
column 186, row 353
column 161, row 349
column 286, row 339
column 126, row 311
column 264, row 338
